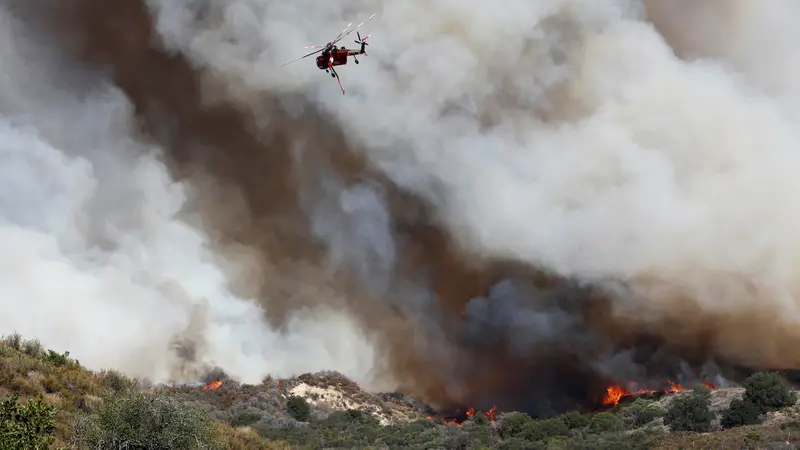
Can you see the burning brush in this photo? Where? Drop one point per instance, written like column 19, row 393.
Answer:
column 460, row 417
column 615, row 393
column 216, row 384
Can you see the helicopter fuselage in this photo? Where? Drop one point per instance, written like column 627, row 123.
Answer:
column 335, row 58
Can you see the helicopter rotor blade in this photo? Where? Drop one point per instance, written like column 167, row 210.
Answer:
column 338, row 38
column 302, row 57
column 341, row 34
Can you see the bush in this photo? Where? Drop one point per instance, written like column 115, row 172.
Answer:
column 575, row 421
column 515, row 444
column 480, row 418
column 246, row 418
column 298, row 408
column 768, row 391
column 690, row 412
column 635, row 440
column 14, row 341
column 141, row 420
column 513, row 424
column 605, row 422
column 739, row 413
column 405, row 435
column 539, row 430
column 57, row 359
column 640, row 413
column 26, row 426
column 117, row 382
column 342, row 420
column 33, row 348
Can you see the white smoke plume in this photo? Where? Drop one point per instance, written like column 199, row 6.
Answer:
column 604, row 141
column 94, row 256
column 647, row 147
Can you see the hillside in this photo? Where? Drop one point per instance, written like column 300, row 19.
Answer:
column 67, row 406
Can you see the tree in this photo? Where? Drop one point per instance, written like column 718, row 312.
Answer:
column 768, row 391
column 26, row 426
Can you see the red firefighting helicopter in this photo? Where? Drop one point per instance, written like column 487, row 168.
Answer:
column 337, row 56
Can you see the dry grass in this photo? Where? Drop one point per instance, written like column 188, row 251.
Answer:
column 29, row 369
column 26, row 368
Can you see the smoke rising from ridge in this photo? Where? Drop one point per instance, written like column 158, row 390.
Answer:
column 506, row 199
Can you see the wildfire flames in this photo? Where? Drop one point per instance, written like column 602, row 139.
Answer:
column 468, row 415
column 213, row 385
column 616, row 393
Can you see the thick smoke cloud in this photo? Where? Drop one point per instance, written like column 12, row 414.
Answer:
column 513, row 203
column 95, row 257
column 570, row 136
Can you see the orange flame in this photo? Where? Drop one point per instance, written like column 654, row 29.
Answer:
column 213, row 385
column 470, row 414
column 490, row 413
column 616, row 393
column 673, row 388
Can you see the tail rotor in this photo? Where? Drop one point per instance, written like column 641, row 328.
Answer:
column 362, row 42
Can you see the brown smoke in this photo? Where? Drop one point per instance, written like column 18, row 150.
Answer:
column 258, row 186
column 248, row 185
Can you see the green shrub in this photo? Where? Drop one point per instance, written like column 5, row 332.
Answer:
column 14, row 341
column 298, row 408
column 640, row 413
column 635, row 440
column 515, row 443
column 246, row 418
column 513, row 424
column 403, row 436
column 28, row 426
column 539, row 430
column 57, row 359
column 768, row 391
column 117, row 382
column 739, row 413
column 575, row 420
column 348, row 419
column 480, row 435
column 690, row 412
column 146, row 421
column 558, row 443
column 480, row 418
column 605, row 422
column 33, row 348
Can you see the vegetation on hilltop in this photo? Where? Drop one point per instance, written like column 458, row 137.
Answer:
column 48, row 400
